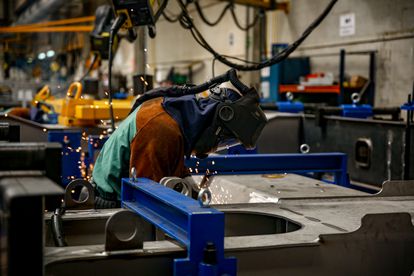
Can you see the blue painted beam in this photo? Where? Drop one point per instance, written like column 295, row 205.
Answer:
column 184, row 220
column 335, row 163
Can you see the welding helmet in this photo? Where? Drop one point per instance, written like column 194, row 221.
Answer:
column 237, row 118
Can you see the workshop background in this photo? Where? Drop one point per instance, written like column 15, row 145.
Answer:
column 317, row 178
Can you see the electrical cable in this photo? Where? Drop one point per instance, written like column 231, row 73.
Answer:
column 212, row 67
column 119, row 21
column 249, row 26
column 204, row 18
column 169, row 19
column 57, row 228
column 95, row 58
column 187, row 23
column 178, row 91
column 160, row 10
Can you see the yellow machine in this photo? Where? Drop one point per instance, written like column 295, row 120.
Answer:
column 74, row 110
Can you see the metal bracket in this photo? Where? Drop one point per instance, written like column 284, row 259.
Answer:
column 88, row 202
column 125, row 223
column 200, row 230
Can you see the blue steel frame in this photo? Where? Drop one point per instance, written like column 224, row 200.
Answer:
column 183, row 219
column 409, row 106
column 335, row 163
column 290, row 107
column 362, row 111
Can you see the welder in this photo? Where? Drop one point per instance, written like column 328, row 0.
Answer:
column 163, row 128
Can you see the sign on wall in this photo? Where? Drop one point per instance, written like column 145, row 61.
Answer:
column 347, row 24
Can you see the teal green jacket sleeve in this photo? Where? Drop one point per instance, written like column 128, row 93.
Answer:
column 112, row 163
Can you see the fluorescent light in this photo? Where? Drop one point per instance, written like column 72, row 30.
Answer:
column 41, row 56
column 50, row 53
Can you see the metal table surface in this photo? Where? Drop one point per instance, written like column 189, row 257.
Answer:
column 333, row 230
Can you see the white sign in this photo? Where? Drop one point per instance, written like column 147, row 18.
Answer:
column 265, row 89
column 265, row 72
column 347, row 24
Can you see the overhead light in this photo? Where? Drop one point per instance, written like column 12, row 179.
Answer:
column 50, row 53
column 41, row 56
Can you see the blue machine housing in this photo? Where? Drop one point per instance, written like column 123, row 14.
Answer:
column 71, row 153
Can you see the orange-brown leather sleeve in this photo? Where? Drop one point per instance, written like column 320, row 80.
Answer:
column 157, row 149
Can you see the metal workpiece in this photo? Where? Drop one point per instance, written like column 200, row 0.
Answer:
column 43, row 157
column 268, row 188
column 9, row 133
column 284, row 133
column 270, row 140
column 385, row 149
column 335, row 232
column 22, row 203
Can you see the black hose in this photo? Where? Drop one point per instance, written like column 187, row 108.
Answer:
column 204, row 18
column 236, row 82
column 169, row 19
column 269, row 62
column 249, row 25
column 160, row 10
column 178, row 91
column 119, row 21
column 95, row 58
column 57, row 228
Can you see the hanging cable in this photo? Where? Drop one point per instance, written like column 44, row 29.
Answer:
column 249, row 26
column 178, row 91
column 94, row 59
column 187, row 23
column 119, row 21
column 160, row 10
column 57, row 228
column 204, row 18
column 212, row 67
column 169, row 19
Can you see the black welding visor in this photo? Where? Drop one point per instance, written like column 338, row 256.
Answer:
column 242, row 119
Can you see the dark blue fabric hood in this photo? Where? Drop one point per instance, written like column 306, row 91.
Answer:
column 193, row 115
